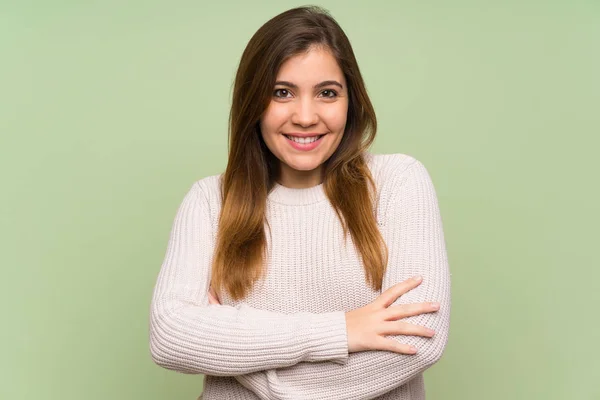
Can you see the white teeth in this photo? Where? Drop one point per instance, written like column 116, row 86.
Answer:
column 303, row 140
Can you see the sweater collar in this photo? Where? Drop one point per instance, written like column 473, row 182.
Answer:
column 297, row 196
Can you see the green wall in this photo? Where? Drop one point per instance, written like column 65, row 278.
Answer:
column 110, row 109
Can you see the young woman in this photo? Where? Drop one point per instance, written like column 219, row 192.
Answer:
column 293, row 274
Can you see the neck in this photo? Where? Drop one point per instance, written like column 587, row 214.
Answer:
column 297, row 179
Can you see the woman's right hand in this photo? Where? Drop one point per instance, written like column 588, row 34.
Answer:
column 368, row 325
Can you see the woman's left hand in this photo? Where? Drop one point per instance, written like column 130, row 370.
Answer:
column 212, row 297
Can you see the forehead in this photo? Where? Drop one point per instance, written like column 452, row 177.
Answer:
column 316, row 65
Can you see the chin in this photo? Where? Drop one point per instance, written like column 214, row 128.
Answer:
column 303, row 162
column 308, row 166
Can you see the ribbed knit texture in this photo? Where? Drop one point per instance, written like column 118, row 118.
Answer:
column 287, row 339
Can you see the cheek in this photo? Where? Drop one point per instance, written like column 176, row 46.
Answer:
column 335, row 116
column 274, row 117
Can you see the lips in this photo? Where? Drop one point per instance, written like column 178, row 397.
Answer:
column 304, row 135
column 305, row 146
column 318, row 136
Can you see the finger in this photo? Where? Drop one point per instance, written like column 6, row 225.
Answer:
column 408, row 310
column 382, row 343
column 213, row 293
column 390, row 295
column 405, row 328
column 211, row 299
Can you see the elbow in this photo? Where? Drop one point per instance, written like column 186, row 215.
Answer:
column 432, row 353
column 159, row 356
column 169, row 361
column 183, row 347
column 162, row 351
column 431, row 357
column 166, row 349
column 159, row 352
column 434, row 347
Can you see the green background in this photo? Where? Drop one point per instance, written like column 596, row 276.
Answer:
column 109, row 110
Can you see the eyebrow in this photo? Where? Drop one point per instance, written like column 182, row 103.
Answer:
column 317, row 86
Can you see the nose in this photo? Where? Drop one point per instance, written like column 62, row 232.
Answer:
column 305, row 113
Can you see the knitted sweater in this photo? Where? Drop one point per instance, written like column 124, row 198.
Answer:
column 287, row 339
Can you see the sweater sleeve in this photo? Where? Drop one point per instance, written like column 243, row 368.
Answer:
column 416, row 244
column 189, row 335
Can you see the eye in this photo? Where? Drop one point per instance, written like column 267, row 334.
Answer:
column 282, row 91
column 330, row 93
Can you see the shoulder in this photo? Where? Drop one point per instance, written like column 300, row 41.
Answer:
column 399, row 178
column 392, row 170
column 389, row 163
column 208, row 189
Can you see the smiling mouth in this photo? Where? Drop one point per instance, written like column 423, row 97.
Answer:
column 305, row 139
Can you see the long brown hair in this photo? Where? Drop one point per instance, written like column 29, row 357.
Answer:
column 252, row 168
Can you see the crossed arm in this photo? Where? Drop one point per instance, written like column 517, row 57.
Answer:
column 302, row 355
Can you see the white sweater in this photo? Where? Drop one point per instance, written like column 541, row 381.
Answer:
column 287, row 339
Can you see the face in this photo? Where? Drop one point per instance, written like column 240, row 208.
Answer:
column 309, row 100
